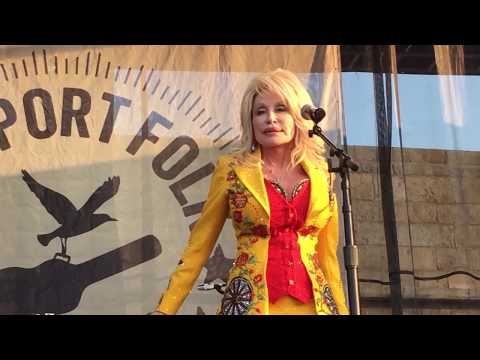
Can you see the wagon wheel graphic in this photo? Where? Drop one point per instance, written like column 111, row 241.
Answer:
column 237, row 298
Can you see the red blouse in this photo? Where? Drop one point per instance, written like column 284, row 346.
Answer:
column 286, row 274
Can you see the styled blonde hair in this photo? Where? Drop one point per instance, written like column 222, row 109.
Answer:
column 292, row 92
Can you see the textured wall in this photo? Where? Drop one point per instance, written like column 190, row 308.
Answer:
column 437, row 206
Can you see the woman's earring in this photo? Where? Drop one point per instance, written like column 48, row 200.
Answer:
column 252, row 148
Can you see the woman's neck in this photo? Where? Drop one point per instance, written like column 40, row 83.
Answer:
column 278, row 156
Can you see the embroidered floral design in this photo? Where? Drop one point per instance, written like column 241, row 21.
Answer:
column 320, row 279
column 242, row 259
column 239, row 200
column 238, row 297
column 325, row 296
column 260, row 230
column 231, row 176
column 236, row 185
column 328, row 300
column 237, row 216
column 238, row 197
column 246, row 268
column 311, row 229
column 316, row 262
column 315, row 259
column 250, row 228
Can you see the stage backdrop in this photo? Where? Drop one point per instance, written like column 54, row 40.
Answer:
column 129, row 135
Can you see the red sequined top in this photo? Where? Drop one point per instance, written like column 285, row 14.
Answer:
column 286, row 274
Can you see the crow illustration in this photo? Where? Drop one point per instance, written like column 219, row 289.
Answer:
column 73, row 222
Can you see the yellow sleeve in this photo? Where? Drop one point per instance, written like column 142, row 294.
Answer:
column 200, row 244
column 327, row 250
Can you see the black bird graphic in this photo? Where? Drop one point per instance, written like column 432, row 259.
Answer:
column 73, row 222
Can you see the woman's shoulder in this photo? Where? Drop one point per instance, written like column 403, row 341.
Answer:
column 238, row 159
column 319, row 165
column 228, row 160
column 224, row 165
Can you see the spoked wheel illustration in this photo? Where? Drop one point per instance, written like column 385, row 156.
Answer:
column 237, row 298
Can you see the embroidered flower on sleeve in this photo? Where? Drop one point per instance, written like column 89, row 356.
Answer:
column 257, row 278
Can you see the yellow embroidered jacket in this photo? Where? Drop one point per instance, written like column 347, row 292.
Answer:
column 234, row 189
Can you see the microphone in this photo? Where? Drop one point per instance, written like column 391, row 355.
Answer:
column 312, row 113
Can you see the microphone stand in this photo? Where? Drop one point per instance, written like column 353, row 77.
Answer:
column 350, row 250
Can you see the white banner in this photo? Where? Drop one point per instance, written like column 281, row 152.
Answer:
column 131, row 132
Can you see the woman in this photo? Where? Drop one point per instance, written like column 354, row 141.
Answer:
column 277, row 191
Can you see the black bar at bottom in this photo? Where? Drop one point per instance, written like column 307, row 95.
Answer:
column 422, row 303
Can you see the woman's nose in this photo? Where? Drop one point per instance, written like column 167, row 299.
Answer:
column 271, row 117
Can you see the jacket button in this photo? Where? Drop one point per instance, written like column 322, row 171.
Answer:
column 291, row 282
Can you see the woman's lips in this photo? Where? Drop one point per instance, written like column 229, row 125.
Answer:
column 269, row 132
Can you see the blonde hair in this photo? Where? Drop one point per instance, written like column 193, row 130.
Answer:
column 294, row 95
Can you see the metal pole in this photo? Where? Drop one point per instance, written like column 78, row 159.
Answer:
column 350, row 250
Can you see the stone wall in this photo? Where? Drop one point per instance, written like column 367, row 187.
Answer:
column 437, row 206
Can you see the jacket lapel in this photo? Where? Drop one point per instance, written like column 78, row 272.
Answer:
column 252, row 178
column 318, row 189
